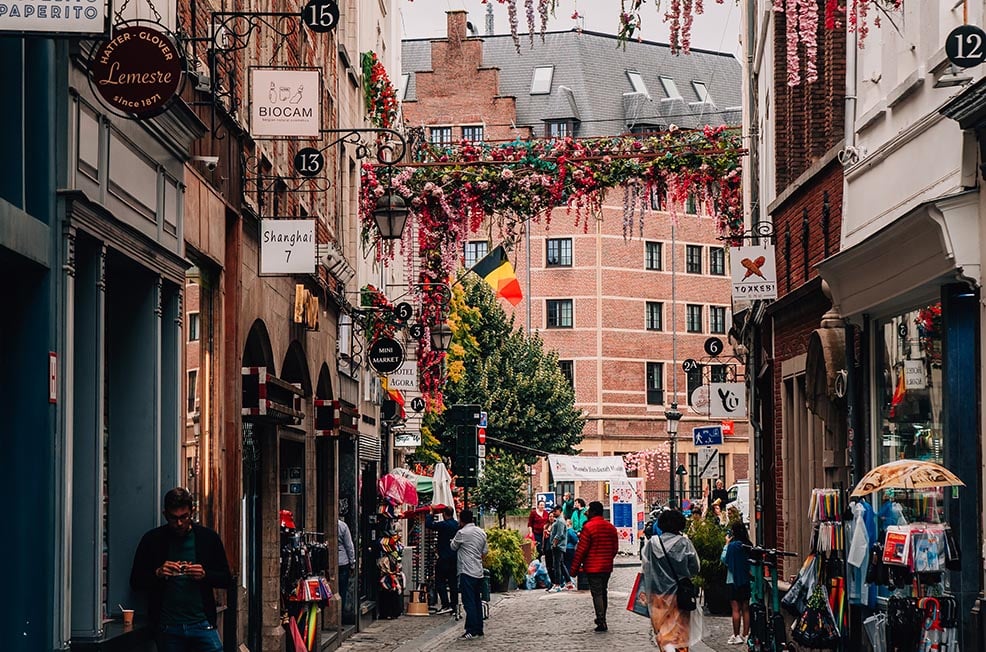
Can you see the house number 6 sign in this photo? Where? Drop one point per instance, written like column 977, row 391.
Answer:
column 320, row 15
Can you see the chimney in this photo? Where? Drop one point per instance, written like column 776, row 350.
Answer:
column 489, row 19
column 456, row 26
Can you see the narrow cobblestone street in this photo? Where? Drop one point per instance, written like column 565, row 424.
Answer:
column 534, row 620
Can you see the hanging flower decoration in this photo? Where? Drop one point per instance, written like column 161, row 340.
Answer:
column 379, row 318
column 378, row 93
column 451, row 193
column 801, row 29
column 653, row 463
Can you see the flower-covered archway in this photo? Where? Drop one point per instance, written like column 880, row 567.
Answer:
column 451, row 192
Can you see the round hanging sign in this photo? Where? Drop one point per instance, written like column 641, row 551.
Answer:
column 966, row 46
column 138, row 71
column 386, row 355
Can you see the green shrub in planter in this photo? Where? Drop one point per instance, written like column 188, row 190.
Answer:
column 505, row 559
column 709, row 537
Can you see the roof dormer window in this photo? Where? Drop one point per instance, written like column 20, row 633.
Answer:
column 702, row 91
column 637, row 82
column 670, row 88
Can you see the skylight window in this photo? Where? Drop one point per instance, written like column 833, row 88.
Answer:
column 541, row 80
column 670, row 88
column 702, row 91
column 637, row 81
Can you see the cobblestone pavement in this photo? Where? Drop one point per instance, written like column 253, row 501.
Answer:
column 535, row 620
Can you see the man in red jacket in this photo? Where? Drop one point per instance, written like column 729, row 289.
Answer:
column 598, row 545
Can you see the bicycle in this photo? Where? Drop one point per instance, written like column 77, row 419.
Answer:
column 768, row 633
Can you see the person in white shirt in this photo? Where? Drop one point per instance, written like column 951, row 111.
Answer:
column 470, row 545
column 347, row 562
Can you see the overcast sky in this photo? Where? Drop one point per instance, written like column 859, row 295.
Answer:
column 717, row 29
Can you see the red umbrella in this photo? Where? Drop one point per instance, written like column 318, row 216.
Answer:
column 397, row 490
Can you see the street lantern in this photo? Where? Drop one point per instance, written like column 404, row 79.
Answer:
column 441, row 337
column 390, row 215
column 673, row 416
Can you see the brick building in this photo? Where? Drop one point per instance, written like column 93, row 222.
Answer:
column 600, row 296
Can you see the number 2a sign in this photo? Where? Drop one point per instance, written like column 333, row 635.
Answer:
column 287, row 247
column 966, row 46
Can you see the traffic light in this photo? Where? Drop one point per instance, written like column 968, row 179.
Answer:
column 466, row 461
column 481, row 435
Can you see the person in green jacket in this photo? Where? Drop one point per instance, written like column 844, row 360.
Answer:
column 578, row 515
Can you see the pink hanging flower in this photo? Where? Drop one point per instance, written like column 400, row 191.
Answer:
column 793, row 61
column 808, row 33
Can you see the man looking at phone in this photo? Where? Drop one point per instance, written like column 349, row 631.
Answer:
column 178, row 565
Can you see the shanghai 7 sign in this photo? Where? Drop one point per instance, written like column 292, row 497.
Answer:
column 285, row 103
column 287, row 247
column 753, row 272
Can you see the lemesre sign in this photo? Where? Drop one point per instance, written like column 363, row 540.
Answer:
column 138, row 71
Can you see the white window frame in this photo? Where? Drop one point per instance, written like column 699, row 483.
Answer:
column 539, row 84
column 670, row 88
column 637, row 82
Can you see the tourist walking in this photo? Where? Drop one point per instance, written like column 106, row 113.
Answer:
column 470, row 544
column 347, row 562
column 737, row 561
column 598, row 545
column 535, row 526
column 667, row 558
column 446, row 584
column 578, row 515
column 558, row 540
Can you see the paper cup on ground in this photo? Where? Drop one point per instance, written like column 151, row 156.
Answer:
column 128, row 617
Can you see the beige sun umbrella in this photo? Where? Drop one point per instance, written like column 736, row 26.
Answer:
column 906, row 474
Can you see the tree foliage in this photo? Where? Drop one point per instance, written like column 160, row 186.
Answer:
column 502, row 486
column 506, row 371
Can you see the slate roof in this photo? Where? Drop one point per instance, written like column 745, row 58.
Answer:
column 590, row 81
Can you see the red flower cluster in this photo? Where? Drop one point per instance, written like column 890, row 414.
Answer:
column 378, row 92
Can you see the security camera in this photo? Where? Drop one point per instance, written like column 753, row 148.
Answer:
column 211, row 162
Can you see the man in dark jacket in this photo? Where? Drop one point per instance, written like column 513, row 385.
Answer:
column 178, row 565
column 446, row 581
column 598, row 545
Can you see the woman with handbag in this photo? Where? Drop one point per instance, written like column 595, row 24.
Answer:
column 670, row 561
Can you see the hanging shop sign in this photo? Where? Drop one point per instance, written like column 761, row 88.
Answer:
column 914, row 374
column 754, row 272
column 386, row 355
column 285, row 103
column 305, row 307
column 138, row 71
column 86, row 17
column 405, row 378
column 727, row 401
column 287, row 247
column 407, row 439
column 320, row 15
column 966, row 46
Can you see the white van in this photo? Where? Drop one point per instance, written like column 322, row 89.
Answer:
column 739, row 497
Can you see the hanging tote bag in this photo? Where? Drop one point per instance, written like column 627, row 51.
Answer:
column 638, row 599
column 685, row 592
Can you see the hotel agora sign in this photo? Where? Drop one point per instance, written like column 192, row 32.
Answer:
column 78, row 17
column 138, row 71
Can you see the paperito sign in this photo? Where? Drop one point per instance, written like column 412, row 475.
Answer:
column 285, row 102
column 754, row 273
column 83, row 17
column 287, row 247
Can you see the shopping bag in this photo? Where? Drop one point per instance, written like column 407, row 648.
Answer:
column 816, row 627
column 637, row 602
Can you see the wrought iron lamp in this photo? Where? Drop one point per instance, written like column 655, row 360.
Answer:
column 390, row 215
column 673, row 416
column 441, row 337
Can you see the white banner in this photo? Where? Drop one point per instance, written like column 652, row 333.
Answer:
column 287, row 247
column 565, row 468
column 727, row 401
column 754, row 272
column 285, row 103
column 83, row 17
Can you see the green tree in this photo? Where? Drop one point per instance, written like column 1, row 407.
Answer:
column 502, row 486
column 509, row 373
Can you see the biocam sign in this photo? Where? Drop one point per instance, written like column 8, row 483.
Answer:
column 81, row 17
column 285, row 102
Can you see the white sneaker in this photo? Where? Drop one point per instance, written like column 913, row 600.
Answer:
column 734, row 639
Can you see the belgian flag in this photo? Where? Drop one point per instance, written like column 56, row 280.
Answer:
column 496, row 270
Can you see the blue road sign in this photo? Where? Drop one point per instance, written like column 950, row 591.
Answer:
column 708, row 436
column 482, row 419
column 548, row 497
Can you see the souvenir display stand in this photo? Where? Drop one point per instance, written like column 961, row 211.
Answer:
column 424, row 555
column 819, row 596
column 911, row 561
column 304, row 587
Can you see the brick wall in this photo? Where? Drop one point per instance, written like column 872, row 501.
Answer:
column 808, row 118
